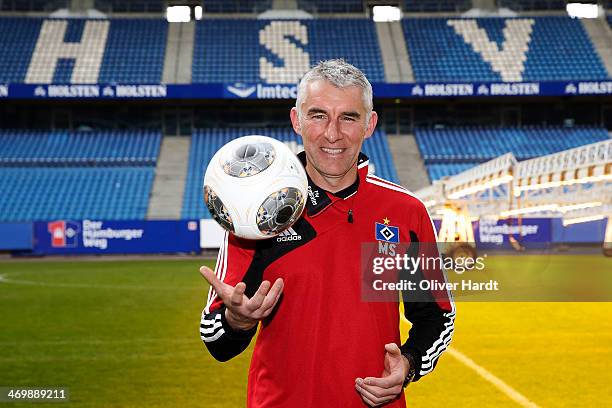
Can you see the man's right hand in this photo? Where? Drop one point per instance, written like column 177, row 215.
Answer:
column 241, row 312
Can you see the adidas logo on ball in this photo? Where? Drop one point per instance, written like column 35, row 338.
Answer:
column 289, row 235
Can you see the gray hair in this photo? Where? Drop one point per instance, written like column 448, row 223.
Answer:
column 341, row 74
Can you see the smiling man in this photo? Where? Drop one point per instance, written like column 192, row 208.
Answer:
column 320, row 343
column 333, row 122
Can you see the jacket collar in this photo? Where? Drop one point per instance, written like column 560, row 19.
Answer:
column 319, row 199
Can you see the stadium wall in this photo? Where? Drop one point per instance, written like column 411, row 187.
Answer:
column 68, row 237
column 583, row 233
column 74, row 237
column 16, row 236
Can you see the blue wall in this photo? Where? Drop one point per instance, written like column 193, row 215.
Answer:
column 116, row 237
column 15, row 236
column 586, row 232
column 92, row 237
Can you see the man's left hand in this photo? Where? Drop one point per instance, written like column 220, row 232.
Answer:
column 377, row 391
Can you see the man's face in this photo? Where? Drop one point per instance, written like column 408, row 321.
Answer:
column 333, row 127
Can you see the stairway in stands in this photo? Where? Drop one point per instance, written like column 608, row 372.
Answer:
column 179, row 53
column 601, row 35
column 408, row 162
column 395, row 57
column 167, row 194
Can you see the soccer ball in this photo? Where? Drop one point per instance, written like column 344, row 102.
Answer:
column 255, row 187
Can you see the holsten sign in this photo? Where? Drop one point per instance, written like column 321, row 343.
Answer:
column 261, row 90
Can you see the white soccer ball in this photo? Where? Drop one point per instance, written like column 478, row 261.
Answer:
column 255, row 187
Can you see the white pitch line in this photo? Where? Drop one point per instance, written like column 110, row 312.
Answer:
column 498, row 383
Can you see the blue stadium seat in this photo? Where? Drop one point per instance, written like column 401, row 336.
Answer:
column 236, row 6
column 65, row 148
column 134, row 50
column 476, row 144
column 205, row 142
column 228, row 50
column 559, row 49
column 427, row 6
column 438, row 171
column 452, row 150
column 19, row 37
column 110, row 193
column 136, row 6
column 336, row 6
column 521, row 5
column 32, row 5
column 47, row 175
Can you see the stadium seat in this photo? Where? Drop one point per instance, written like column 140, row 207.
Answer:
column 47, row 175
column 229, row 50
column 236, row 6
column 32, row 5
column 452, row 150
column 520, row 5
column 477, row 144
column 19, row 37
column 63, row 148
column 205, row 142
column 438, row 171
column 556, row 48
column 110, row 193
column 418, row 6
column 136, row 6
column 133, row 53
column 336, row 6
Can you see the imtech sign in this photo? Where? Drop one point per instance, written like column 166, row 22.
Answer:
column 260, row 91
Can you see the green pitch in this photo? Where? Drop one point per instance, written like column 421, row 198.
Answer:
column 126, row 334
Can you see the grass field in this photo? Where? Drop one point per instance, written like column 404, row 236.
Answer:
column 126, row 334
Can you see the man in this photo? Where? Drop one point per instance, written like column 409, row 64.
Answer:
column 320, row 344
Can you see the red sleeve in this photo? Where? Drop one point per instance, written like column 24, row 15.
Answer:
column 432, row 315
column 233, row 261
column 221, row 340
column 428, row 238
